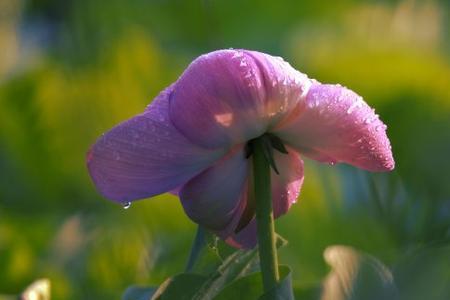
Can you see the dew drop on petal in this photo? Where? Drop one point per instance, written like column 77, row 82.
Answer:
column 367, row 121
column 126, row 205
column 237, row 55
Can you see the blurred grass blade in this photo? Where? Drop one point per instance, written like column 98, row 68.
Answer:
column 356, row 276
column 38, row 290
column 197, row 248
column 179, row 287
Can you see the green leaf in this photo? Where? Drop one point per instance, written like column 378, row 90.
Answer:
column 247, row 287
column 250, row 287
column 237, row 265
column 356, row 276
column 283, row 290
column 180, row 287
column 198, row 287
column 234, row 266
column 139, row 293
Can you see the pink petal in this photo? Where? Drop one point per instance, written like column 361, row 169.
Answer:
column 145, row 156
column 213, row 198
column 286, row 185
column 285, row 191
column 334, row 125
column 284, row 85
column 228, row 97
column 246, row 238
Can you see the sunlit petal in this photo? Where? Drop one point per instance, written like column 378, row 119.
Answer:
column 145, row 156
column 334, row 124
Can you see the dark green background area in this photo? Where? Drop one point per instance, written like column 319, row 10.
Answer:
column 70, row 70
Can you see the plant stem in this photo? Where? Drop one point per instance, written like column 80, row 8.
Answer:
column 264, row 217
column 197, row 247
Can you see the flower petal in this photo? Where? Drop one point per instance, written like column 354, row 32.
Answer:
column 284, row 86
column 285, row 191
column 238, row 95
column 286, row 185
column 334, row 124
column 213, row 198
column 246, row 238
column 145, row 156
column 225, row 89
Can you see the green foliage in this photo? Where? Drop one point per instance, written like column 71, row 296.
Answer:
column 139, row 293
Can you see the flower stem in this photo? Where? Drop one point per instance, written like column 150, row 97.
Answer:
column 264, row 217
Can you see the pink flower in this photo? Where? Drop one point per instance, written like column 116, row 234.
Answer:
column 191, row 139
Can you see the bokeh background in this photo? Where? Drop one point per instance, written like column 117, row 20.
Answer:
column 70, row 70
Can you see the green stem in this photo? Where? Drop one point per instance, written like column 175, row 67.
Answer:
column 197, row 247
column 264, row 217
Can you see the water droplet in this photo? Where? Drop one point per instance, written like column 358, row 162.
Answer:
column 237, row 55
column 126, row 205
column 332, row 163
column 357, row 104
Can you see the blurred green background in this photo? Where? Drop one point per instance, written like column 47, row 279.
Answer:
column 70, row 70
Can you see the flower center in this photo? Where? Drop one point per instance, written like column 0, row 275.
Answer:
column 270, row 142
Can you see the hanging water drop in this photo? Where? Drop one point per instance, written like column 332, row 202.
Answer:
column 126, row 205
